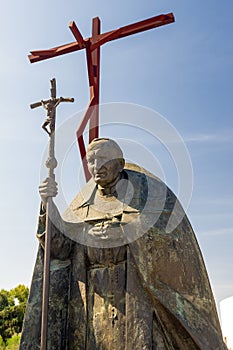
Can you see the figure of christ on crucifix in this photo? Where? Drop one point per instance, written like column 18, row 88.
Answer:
column 92, row 46
column 50, row 107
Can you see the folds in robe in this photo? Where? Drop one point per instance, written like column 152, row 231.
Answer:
column 126, row 273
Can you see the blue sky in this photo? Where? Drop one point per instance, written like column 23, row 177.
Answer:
column 183, row 71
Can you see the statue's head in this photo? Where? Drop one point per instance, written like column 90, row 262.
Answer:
column 105, row 161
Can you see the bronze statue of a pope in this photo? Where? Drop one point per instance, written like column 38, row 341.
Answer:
column 119, row 278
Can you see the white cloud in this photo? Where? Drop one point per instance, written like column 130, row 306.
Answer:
column 222, row 137
column 218, row 232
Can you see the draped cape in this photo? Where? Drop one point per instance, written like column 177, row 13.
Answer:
column 168, row 299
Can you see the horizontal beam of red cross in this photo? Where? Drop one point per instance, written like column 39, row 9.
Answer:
column 92, row 47
column 80, row 43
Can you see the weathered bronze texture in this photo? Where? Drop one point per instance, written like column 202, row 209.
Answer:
column 119, row 279
column 92, row 47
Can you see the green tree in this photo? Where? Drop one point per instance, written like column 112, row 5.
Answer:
column 5, row 299
column 12, row 308
column 2, row 344
column 20, row 292
column 13, row 343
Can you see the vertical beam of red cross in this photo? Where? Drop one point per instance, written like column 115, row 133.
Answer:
column 95, row 63
column 92, row 112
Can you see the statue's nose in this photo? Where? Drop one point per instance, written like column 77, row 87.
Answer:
column 98, row 163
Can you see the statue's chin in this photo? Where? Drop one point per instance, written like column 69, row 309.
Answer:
column 99, row 181
column 104, row 182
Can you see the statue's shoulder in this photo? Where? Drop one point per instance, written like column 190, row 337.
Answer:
column 136, row 170
column 147, row 182
column 155, row 189
column 136, row 174
column 144, row 184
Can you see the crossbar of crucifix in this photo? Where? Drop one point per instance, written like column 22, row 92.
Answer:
column 92, row 47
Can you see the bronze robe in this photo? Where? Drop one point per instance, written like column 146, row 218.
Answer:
column 150, row 292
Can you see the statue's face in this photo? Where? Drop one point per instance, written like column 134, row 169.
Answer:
column 103, row 164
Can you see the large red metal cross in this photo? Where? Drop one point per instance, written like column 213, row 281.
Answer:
column 92, row 47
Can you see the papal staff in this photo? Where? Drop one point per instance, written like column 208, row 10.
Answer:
column 49, row 126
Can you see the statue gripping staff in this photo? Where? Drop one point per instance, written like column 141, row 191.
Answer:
column 118, row 279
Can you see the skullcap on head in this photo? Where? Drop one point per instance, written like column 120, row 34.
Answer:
column 103, row 140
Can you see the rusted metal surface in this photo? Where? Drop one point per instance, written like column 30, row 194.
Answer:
column 92, row 47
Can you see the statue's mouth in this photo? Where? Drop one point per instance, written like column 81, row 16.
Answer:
column 100, row 174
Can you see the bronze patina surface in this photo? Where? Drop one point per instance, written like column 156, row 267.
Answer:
column 119, row 279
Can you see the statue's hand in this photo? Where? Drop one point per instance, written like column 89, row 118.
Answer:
column 48, row 188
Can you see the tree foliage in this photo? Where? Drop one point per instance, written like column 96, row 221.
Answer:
column 12, row 308
column 13, row 343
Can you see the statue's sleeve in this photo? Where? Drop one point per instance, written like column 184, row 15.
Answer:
column 61, row 245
